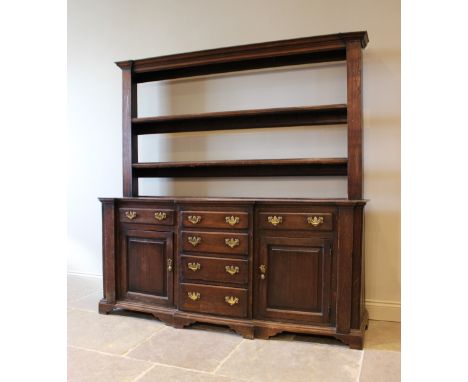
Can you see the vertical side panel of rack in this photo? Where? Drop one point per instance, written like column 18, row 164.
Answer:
column 129, row 139
column 354, row 90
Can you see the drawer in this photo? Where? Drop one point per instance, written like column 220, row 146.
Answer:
column 213, row 269
column 215, row 242
column 214, row 219
column 158, row 216
column 320, row 221
column 213, row 299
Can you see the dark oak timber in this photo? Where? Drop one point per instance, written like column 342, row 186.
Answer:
column 253, row 167
column 242, row 119
column 260, row 266
column 245, row 57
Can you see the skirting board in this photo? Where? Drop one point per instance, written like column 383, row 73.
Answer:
column 384, row 310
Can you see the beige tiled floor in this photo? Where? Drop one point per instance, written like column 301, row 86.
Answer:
column 125, row 346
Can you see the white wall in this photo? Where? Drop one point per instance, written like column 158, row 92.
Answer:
column 104, row 31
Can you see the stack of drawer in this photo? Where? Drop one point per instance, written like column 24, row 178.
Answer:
column 214, row 261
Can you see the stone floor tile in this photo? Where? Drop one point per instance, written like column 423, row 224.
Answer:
column 331, row 341
column 381, row 366
column 89, row 366
column 79, row 286
column 295, row 361
column 172, row 374
column 89, row 302
column 192, row 349
column 383, row 335
column 111, row 333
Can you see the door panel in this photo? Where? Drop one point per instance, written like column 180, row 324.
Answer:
column 147, row 267
column 296, row 279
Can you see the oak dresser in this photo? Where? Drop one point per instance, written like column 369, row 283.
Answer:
column 260, row 266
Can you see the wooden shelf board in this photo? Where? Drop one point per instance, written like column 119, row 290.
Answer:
column 243, row 119
column 244, row 57
column 243, row 168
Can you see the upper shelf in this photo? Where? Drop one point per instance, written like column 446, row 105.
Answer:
column 242, row 168
column 242, row 119
column 244, row 57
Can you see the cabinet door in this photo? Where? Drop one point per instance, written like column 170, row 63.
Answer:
column 293, row 279
column 147, row 267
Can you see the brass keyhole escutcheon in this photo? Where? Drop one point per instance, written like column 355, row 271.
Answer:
column 169, row 265
column 262, row 271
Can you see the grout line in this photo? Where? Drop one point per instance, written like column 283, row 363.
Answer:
column 176, row 367
column 360, row 366
column 86, row 295
column 225, row 359
column 143, row 341
column 95, row 351
column 144, row 373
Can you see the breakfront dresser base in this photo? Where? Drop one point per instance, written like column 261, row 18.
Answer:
column 257, row 266
column 248, row 329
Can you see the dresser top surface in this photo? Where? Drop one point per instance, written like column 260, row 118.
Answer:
column 237, row 200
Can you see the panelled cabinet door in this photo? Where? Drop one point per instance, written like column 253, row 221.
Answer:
column 293, row 279
column 147, row 267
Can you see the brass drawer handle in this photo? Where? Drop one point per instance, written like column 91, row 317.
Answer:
column 194, row 296
column 275, row 220
column 315, row 221
column 231, row 242
column 194, row 266
column 169, row 265
column 231, row 300
column 194, row 219
column 194, row 240
column 130, row 214
column 262, row 271
column 232, row 220
column 160, row 215
column 231, row 269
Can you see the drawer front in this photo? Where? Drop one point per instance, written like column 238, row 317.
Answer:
column 320, row 221
column 213, row 299
column 215, row 242
column 160, row 216
column 215, row 219
column 212, row 269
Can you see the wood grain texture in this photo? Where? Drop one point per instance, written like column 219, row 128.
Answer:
column 245, row 57
column 212, row 300
column 213, row 270
column 296, row 281
column 215, row 242
column 354, row 89
column 242, row 119
column 248, row 168
column 129, row 139
column 344, row 269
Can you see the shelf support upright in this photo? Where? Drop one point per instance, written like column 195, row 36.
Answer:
column 354, row 90
column 129, row 139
